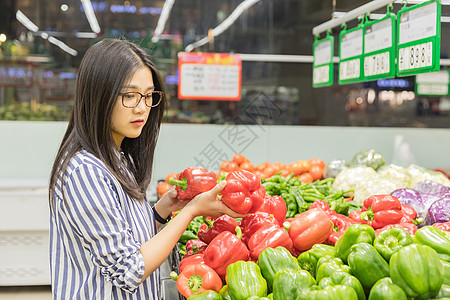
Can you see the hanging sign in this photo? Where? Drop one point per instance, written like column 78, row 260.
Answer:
column 351, row 55
column 379, row 48
column 209, row 76
column 433, row 83
column 323, row 67
column 419, row 36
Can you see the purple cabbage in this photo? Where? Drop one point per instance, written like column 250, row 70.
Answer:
column 412, row 198
column 439, row 211
column 431, row 187
column 431, row 201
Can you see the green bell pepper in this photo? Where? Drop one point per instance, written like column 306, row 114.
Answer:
column 385, row 289
column 355, row 234
column 417, row 270
column 391, row 240
column 289, row 283
column 257, row 298
column 337, row 292
column 327, row 265
column 186, row 236
column 343, row 278
column 446, row 266
column 224, row 293
column 273, row 260
column 244, row 280
column 206, row 295
column 308, row 259
column 367, row 265
column 436, row 239
column 444, row 292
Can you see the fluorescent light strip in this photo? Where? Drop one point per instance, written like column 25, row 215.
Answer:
column 86, row 35
column 63, row 46
column 90, row 15
column 163, row 17
column 224, row 25
column 338, row 14
column 26, row 22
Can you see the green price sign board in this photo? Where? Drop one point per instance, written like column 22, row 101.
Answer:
column 323, row 62
column 379, row 48
column 433, row 83
column 419, row 38
column 351, row 55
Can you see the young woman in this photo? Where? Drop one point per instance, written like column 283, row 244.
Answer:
column 104, row 240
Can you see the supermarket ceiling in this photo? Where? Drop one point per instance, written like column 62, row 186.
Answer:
column 189, row 20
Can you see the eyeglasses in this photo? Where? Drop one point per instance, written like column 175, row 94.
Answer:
column 132, row 99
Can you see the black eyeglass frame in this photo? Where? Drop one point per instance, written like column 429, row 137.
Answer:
column 160, row 93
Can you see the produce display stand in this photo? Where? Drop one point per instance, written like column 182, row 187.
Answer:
column 24, row 233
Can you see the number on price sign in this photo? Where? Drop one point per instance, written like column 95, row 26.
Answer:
column 419, row 32
column 379, row 48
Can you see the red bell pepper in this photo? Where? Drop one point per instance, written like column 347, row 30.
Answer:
column 243, row 192
column 341, row 223
column 209, row 231
column 276, row 206
column 253, row 222
column 198, row 278
column 356, row 217
column 443, row 226
column 225, row 249
column 194, row 247
column 191, row 260
column 409, row 228
column 324, row 206
column 381, row 210
column 310, row 227
column 410, row 215
column 268, row 237
column 193, row 181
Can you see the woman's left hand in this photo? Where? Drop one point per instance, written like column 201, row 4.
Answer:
column 169, row 202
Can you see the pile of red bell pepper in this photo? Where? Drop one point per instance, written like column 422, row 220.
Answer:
column 385, row 211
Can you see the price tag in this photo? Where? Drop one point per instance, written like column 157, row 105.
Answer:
column 210, row 76
column 433, row 84
column 323, row 67
column 419, row 36
column 351, row 55
column 379, row 48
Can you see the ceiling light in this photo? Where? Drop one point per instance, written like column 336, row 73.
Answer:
column 163, row 17
column 26, row 22
column 90, row 15
column 64, row 7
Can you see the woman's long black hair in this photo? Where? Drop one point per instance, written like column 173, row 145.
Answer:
column 105, row 68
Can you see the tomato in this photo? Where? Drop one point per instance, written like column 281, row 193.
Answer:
column 278, row 166
column 239, row 158
column 268, row 172
column 305, row 178
column 228, row 166
column 260, row 174
column 171, row 175
column 317, row 162
column 162, row 188
column 285, row 173
column 316, row 172
column 247, row 166
column 262, row 166
column 298, row 167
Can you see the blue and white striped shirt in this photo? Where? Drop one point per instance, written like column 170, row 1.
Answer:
column 95, row 239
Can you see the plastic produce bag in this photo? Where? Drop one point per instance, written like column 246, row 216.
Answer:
column 369, row 158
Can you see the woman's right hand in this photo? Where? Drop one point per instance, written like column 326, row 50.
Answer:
column 209, row 204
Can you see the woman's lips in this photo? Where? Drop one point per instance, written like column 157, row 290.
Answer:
column 138, row 123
